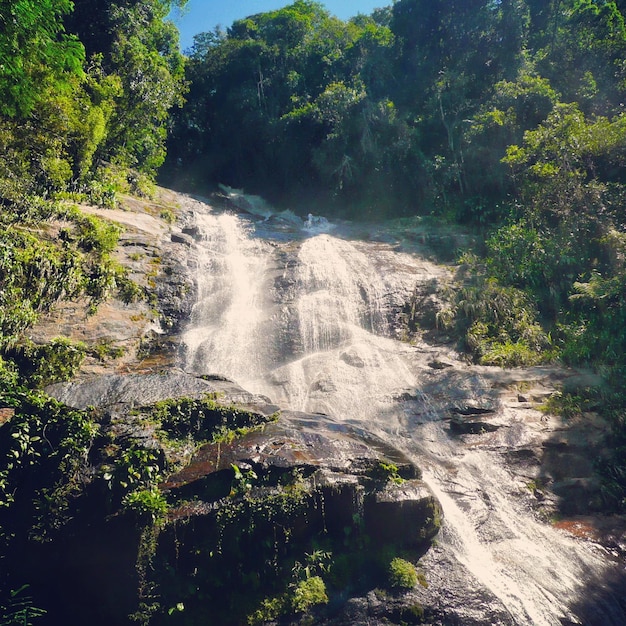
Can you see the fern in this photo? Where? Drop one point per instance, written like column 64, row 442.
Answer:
column 19, row 609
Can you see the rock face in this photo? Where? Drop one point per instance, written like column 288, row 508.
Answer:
column 248, row 509
column 160, row 261
column 256, row 507
column 144, row 389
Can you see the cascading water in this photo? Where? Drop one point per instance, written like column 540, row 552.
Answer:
column 299, row 311
column 226, row 318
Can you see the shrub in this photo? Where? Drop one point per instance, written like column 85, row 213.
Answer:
column 387, row 472
column 57, row 361
column 402, row 574
column 270, row 609
column 149, row 503
column 498, row 325
column 308, row 593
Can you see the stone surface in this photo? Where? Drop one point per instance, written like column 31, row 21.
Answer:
column 486, row 409
column 143, row 389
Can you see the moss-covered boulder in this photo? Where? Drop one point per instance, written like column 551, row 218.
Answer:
column 230, row 509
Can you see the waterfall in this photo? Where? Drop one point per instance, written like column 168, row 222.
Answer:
column 225, row 322
column 302, row 315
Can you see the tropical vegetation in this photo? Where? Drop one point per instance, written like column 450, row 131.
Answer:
column 506, row 117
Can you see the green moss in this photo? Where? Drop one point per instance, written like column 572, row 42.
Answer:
column 387, row 472
column 204, row 418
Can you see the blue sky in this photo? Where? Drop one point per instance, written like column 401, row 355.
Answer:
column 201, row 16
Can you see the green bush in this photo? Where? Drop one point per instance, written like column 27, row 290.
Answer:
column 308, row 593
column 150, row 503
column 270, row 609
column 42, row 365
column 96, row 235
column 402, row 574
column 387, row 472
column 498, row 325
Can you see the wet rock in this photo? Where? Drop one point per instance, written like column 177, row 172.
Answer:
column 192, row 231
column 352, row 359
column 274, row 494
column 471, row 427
column 468, row 409
column 270, row 494
column 403, row 511
column 144, row 389
column 436, row 364
column 577, row 495
column 331, row 461
column 182, row 238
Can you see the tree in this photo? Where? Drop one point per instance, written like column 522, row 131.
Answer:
column 36, row 55
column 132, row 46
column 581, row 46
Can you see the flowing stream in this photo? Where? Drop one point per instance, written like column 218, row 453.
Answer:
column 302, row 311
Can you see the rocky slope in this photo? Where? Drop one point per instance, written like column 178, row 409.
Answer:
column 243, row 481
column 255, row 505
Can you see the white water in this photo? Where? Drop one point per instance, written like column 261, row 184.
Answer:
column 225, row 321
column 303, row 319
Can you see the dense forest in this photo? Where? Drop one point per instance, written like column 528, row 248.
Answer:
column 503, row 116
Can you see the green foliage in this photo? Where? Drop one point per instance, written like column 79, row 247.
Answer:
column 309, row 593
column 147, row 503
column 140, row 48
column 33, row 275
column 104, row 350
column 388, row 472
column 42, row 365
column 35, row 54
column 402, row 574
column 270, row 609
column 567, row 405
column 316, row 563
column 65, row 115
column 203, row 418
column 242, row 480
column 134, row 469
column 498, row 325
column 168, row 216
column 292, row 86
column 96, row 235
column 38, row 267
column 19, row 609
column 43, row 438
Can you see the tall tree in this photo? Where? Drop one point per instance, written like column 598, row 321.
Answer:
column 581, row 50
column 133, row 41
column 35, row 53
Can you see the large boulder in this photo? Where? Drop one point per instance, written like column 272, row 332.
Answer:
column 268, row 503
